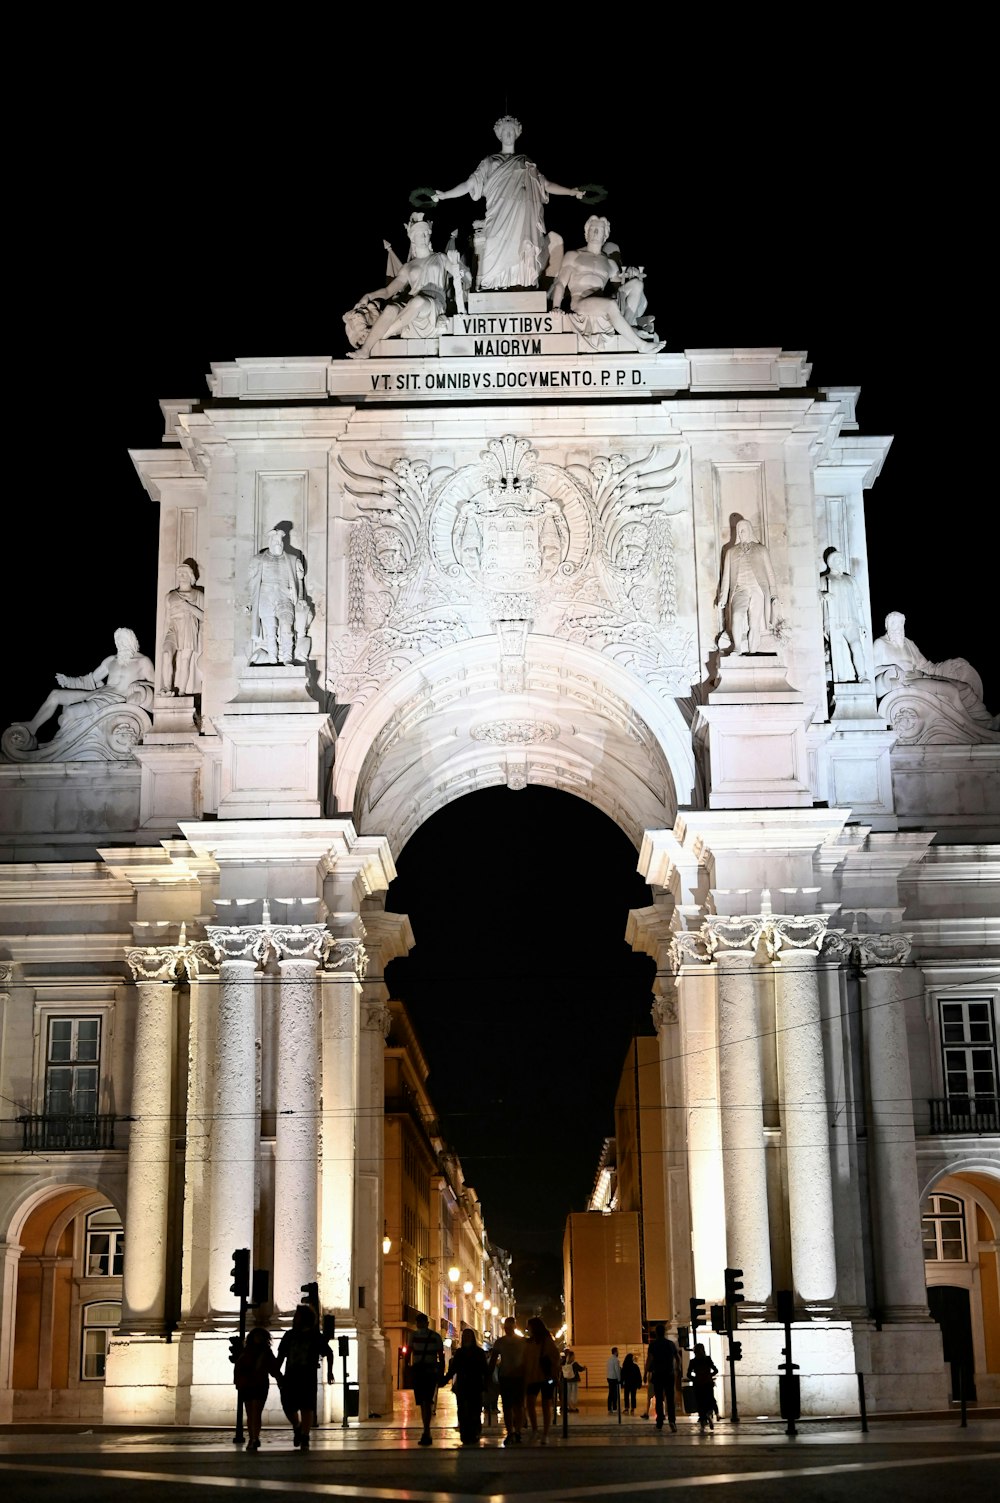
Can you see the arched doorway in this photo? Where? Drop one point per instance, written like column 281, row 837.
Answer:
column 67, row 1302
column 525, row 998
column 961, row 1223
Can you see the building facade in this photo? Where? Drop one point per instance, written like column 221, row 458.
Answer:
column 506, row 544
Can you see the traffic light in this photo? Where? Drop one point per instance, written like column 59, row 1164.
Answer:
column 241, row 1272
column 697, row 1313
column 259, row 1287
column 784, row 1300
column 736, row 1351
column 734, row 1294
column 683, row 1339
column 310, row 1293
column 718, row 1314
column 235, row 1347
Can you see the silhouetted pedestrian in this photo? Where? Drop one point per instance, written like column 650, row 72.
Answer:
column 253, row 1369
column 663, row 1363
column 701, row 1375
column 300, row 1350
column 614, row 1371
column 468, row 1371
column 509, row 1353
column 631, row 1379
column 541, row 1369
column 426, row 1370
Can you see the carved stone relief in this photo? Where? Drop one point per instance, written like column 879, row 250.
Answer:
column 511, row 543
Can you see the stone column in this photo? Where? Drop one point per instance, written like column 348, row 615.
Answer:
column 150, row 1145
column 296, row 1165
column 902, row 1278
column 235, row 1128
column 10, row 1257
column 341, row 1000
column 805, row 1118
column 734, row 942
column 698, row 1035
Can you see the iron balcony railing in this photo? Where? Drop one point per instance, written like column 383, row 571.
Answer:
column 975, row 1114
column 63, row 1132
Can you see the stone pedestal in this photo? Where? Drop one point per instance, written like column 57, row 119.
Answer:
column 273, row 742
column 170, row 788
column 756, row 736
column 854, row 769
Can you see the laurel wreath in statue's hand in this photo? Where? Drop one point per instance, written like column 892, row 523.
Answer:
column 592, row 193
column 422, row 198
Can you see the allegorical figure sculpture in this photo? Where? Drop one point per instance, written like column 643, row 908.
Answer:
column 184, row 611
column 113, row 682
column 516, row 247
column 748, row 596
column 843, row 623
column 424, row 277
column 945, row 702
column 586, row 273
column 279, row 610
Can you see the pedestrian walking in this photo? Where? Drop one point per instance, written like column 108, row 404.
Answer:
column 663, row 1364
column 701, row 1375
column 426, row 1371
column 254, row 1368
column 614, row 1370
column 571, row 1370
column 299, row 1351
column 508, row 1354
column 631, row 1380
column 541, row 1368
column 468, row 1372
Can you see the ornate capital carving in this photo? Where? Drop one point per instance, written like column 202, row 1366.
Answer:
column 664, row 1009
column 347, row 954
column 803, row 931
column 179, row 962
column 687, row 946
column 300, row 941
column 377, row 1017
column 239, row 941
column 882, row 949
column 728, row 933
column 837, row 946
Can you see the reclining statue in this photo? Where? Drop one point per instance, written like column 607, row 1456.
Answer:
column 929, row 703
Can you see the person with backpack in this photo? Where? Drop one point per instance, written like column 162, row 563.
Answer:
column 300, row 1350
column 426, row 1371
column 701, row 1375
column 253, row 1369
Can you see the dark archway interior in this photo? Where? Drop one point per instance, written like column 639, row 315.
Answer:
column 525, row 996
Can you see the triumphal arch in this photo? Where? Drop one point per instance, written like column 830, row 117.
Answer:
column 505, row 536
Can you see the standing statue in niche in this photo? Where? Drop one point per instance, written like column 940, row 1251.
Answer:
column 516, row 246
column 185, row 610
column 748, row 600
column 279, row 608
column 127, row 676
column 843, row 623
column 425, row 276
column 586, row 273
column 945, row 702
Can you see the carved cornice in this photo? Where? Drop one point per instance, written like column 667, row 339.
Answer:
column 266, row 941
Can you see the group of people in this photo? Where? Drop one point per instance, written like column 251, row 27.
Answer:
column 662, row 1375
column 293, row 1366
column 525, row 1368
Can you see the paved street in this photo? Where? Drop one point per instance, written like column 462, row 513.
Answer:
column 910, row 1460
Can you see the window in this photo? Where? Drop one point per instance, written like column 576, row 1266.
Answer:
column 944, row 1230
column 968, row 1039
column 105, row 1243
column 72, row 1067
column 99, row 1321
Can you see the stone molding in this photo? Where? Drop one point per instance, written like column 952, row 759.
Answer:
column 867, row 951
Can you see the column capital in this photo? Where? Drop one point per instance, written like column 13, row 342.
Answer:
column 664, row 1008
column 689, row 946
column 795, row 936
column 882, row 950
column 377, row 1017
column 301, row 942
column 732, row 936
column 347, row 955
column 180, row 962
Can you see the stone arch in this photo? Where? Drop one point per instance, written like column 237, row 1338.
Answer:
column 975, row 1181
column 41, row 1298
column 562, row 716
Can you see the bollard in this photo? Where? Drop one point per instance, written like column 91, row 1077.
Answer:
column 862, row 1407
column 565, row 1408
column 964, row 1422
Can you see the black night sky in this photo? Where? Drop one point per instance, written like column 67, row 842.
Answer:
column 197, row 213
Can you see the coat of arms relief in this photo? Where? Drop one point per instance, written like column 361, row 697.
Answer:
column 509, row 543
